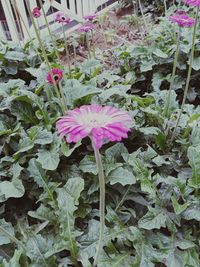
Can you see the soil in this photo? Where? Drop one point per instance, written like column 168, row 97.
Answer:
column 115, row 31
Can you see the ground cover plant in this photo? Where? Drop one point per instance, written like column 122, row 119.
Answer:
column 129, row 113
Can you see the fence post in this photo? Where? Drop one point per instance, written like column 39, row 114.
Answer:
column 10, row 20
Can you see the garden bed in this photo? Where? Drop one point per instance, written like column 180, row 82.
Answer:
column 113, row 90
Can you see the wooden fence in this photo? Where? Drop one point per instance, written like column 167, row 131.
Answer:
column 15, row 23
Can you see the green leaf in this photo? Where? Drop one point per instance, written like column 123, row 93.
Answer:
column 178, row 208
column 67, row 198
column 14, row 261
column 88, row 164
column 66, row 150
column 196, row 63
column 117, row 90
column 49, row 159
column 194, row 161
column 74, row 90
column 5, row 227
column 40, row 136
column 40, row 177
column 154, row 219
column 121, row 176
column 15, row 55
column 174, row 259
column 150, row 130
column 159, row 53
column 24, row 111
column 13, row 189
column 192, row 213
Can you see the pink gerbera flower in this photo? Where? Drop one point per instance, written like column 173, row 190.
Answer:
column 97, row 122
column 62, row 18
column 192, row 2
column 36, row 12
column 90, row 17
column 57, row 75
column 182, row 19
column 86, row 28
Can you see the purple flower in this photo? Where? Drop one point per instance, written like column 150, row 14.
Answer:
column 90, row 17
column 95, row 121
column 57, row 75
column 36, row 12
column 86, row 28
column 192, row 2
column 182, row 19
column 62, row 18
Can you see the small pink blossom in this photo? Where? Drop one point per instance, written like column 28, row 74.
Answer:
column 192, row 2
column 182, row 19
column 57, row 75
column 36, row 12
column 90, row 17
column 95, row 121
column 86, row 28
column 62, row 18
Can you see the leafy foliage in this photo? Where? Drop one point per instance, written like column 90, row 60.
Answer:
column 49, row 189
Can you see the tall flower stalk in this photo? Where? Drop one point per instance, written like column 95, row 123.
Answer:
column 99, row 124
column 49, row 30
column 62, row 105
column 168, row 101
column 189, row 72
column 101, row 202
column 143, row 16
column 67, row 50
column 183, row 20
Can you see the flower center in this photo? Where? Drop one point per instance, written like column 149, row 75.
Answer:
column 63, row 18
column 56, row 77
column 92, row 120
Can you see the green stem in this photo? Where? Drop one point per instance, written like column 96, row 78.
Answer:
column 50, row 33
column 12, row 238
column 165, row 6
column 123, row 198
column 189, row 73
column 88, row 45
column 93, row 45
column 101, row 203
column 166, row 111
column 46, row 60
column 67, row 50
column 143, row 17
column 75, row 56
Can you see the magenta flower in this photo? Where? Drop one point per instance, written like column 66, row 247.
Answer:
column 90, row 17
column 97, row 122
column 62, row 18
column 192, row 2
column 86, row 28
column 57, row 75
column 182, row 19
column 36, row 12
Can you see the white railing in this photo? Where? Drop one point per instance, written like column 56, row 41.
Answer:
column 15, row 23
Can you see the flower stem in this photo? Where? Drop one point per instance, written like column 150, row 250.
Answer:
column 189, row 74
column 101, row 203
column 46, row 60
column 50, row 33
column 143, row 17
column 67, row 50
column 166, row 111
column 88, row 45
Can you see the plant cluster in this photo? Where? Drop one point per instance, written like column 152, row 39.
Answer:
column 49, row 191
